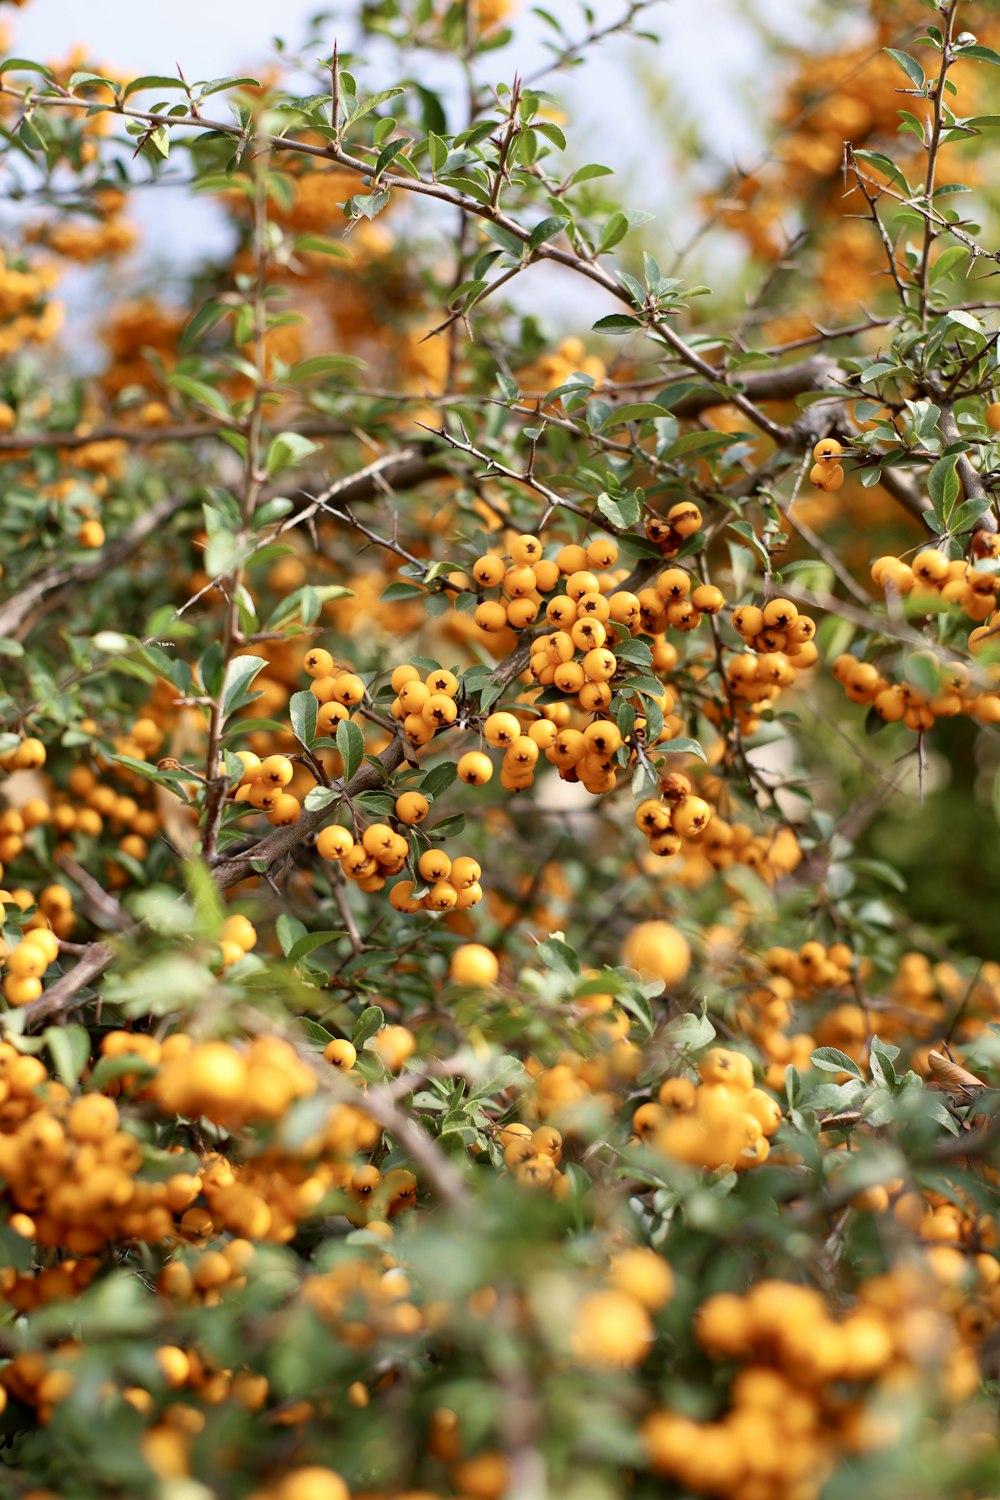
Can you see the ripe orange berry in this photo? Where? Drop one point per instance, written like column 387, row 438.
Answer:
column 521, row 613
column 779, row 614
column 828, row 477
column 442, row 896
column 433, row 865
column 329, row 716
column 475, row 965
column 276, row 770
column 311, row 1483
column 490, row 616
column 29, row 755
column 475, row 768
column 21, row 991
column 571, row 559
column 341, row 1054
column 612, row 1329
column 602, row 552
column 685, row 518
column 827, row 451
column 600, row 664
column 993, row 416
column 90, row 535
column 333, row 842
column 402, row 675
column 411, row 808
column 392, row 1046
column 441, row 681
column 350, row 689
column 546, row 573
column 27, row 960
column 691, row 817
column 526, row 549
column 317, row 662
column 748, row 620
column 658, row 951
column 464, row 872
column 501, row 730
column 92, row 1118
column 439, row 710
column 488, row 572
column 709, row 599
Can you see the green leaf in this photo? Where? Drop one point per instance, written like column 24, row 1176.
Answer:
column 963, row 319
column 286, row 449
column 697, row 442
column 622, row 513
column 591, row 170
column 203, row 394
column 947, row 261
column 240, row 673
column 367, row 105
column 832, row 1060
column 617, row 323
column 689, row 1032
column 319, row 797
column 636, row 411
column 546, row 230
column 943, row 486
column 216, row 85
column 321, row 244
column 909, row 65
column 206, row 317
column 69, row 1048
column 438, row 780
column 23, row 65
column 289, row 931
column 322, row 364
column 683, row 746
column 107, row 1069
column 368, row 1023
column 302, row 712
column 151, row 81
column 351, row 747
column 401, row 590
column 294, row 605
column 449, row 827
column 311, row 942
column 984, row 54
column 438, row 151
column 316, row 1033
column 387, row 156
column 551, row 132
column 615, row 229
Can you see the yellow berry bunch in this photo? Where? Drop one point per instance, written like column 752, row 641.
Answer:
column 677, row 815
column 27, row 755
column 799, row 1398
column 826, row 472
column 669, row 533
column 777, row 628
column 918, row 707
column 722, row 1121
column 814, row 966
column 424, row 704
column 533, row 1156
column 441, row 884
column 932, row 579
column 613, row 1325
column 525, row 575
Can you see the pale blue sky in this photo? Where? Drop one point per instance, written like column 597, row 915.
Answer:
column 712, row 69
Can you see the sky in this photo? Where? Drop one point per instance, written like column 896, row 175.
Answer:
column 688, row 73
